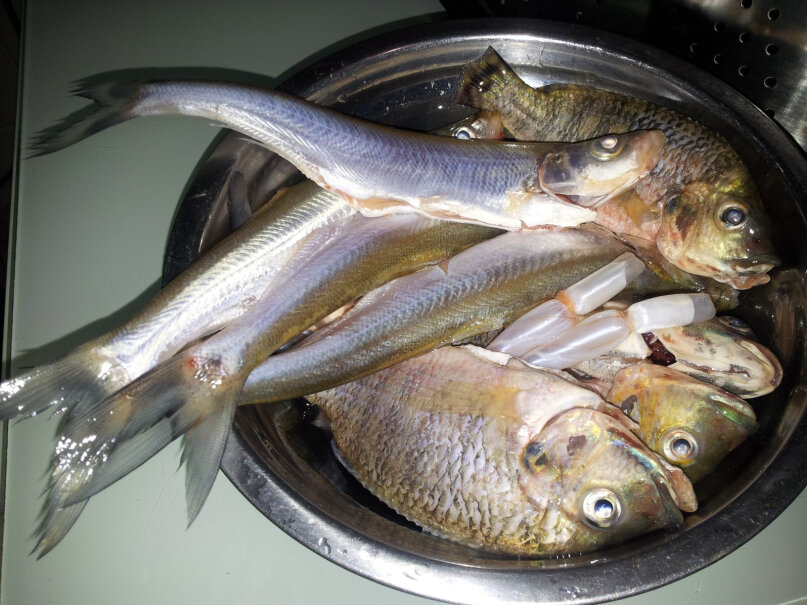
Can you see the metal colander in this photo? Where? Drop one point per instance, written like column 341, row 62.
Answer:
column 759, row 47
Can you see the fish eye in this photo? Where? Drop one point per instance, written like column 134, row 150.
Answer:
column 733, row 216
column 735, row 323
column 680, row 447
column 464, row 133
column 534, row 458
column 601, row 507
column 607, row 147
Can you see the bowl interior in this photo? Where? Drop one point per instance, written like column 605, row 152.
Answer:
column 285, row 465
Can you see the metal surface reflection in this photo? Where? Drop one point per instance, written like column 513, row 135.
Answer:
column 759, row 48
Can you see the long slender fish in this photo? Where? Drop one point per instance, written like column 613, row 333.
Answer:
column 218, row 287
column 199, row 387
column 477, row 292
column 384, row 169
column 501, row 457
column 706, row 215
column 223, row 284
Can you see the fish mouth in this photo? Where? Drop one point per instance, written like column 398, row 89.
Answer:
column 761, row 263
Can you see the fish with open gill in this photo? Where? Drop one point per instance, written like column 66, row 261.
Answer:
column 699, row 205
column 481, row 450
column 382, row 169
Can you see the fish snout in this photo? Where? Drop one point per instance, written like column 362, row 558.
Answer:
column 757, row 264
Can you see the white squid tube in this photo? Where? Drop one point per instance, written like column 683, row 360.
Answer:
column 589, row 338
column 554, row 317
column 605, row 331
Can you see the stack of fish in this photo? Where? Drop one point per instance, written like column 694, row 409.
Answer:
column 476, row 445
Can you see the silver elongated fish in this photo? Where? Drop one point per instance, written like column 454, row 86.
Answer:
column 477, row 292
column 218, row 287
column 501, row 457
column 221, row 285
column 384, row 169
column 199, row 387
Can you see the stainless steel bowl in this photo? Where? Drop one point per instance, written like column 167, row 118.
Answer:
column 284, row 465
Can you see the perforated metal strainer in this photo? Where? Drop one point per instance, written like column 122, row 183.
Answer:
column 757, row 46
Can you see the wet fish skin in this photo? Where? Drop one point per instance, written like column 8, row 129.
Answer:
column 196, row 390
column 713, row 222
column 478, row 291
column 499, row 457
column 691, row 423
column 221, row 285
column 725, row 355
column 379, row 168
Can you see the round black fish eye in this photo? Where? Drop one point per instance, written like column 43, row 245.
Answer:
column 601, row 507
column 733, row 216
column 680, row 447
column 464, row 133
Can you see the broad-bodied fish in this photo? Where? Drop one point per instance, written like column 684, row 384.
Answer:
column 383, row 169
column 501, row 457
column 691, row 423
column 700, row 205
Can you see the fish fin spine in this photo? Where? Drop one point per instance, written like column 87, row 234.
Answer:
column 483, row 79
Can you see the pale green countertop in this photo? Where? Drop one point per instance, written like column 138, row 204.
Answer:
column 91, row 227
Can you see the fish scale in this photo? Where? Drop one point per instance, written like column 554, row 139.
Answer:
column 683, row 202
column 479, row 291
column 439, row 439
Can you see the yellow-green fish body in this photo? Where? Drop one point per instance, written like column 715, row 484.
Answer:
column 499, row 456
column 712, row 220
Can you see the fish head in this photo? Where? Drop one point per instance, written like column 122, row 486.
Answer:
column 713, row 230
column 598, row 483
column 482, row 125
column 590, row 172
column 689, row 423
column 724, row 352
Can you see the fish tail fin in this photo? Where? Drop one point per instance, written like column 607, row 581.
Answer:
column 80, row 379
column 202, row 452
column 54, row 525
column 484, row 79
column 179, row 396
column 112, row 104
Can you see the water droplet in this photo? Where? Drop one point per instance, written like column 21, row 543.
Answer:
column 323, row 544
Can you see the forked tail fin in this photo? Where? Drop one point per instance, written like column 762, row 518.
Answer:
column 110, row 440
column 78, row 380
column 112, row 105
